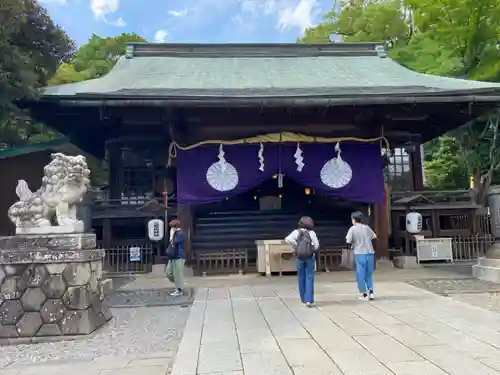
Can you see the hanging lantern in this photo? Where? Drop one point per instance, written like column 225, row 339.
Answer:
column 307, row 191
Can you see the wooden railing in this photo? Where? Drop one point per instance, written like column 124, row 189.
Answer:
column 221, row 261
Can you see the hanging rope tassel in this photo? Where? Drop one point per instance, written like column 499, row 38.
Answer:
column 299, row 158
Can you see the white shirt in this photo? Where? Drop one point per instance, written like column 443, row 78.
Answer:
column 292, row 238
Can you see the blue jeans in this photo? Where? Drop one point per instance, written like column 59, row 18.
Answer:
column 364, row 271
column 305, row 276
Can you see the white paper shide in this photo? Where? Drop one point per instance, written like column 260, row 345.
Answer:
column 52, row 208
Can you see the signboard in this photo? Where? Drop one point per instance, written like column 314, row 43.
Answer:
column 134, row 254
column 434, row 250
column 156, row 229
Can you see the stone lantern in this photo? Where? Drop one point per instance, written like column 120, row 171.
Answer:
column 488, row 267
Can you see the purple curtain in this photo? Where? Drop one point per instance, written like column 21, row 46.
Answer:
column 358, row 177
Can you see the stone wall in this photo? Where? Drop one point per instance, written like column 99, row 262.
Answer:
column 62, row 298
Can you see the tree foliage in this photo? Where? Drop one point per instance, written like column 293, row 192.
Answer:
column 40, row 53
column 94, row 59
column 455, row 38
column 31, row 49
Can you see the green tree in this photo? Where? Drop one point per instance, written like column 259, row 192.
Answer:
column 31, row 48
column 444, row 164
column 456, row 38
column 362, row 21
column 94, row 59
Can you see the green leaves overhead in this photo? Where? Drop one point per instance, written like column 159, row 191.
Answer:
column 94, row 59
column 31, row 49
column 455, row 38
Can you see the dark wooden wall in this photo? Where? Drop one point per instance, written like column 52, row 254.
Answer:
column 27, row 167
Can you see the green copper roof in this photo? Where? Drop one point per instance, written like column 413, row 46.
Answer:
column 197, row 71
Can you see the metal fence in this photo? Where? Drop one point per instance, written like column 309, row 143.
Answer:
column 471, row 247
column 128, row 256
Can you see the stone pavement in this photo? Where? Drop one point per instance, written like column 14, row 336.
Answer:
column 265, row 330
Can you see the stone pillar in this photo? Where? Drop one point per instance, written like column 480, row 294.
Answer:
column 51, row 287
column 488, row 267
column 494, row 205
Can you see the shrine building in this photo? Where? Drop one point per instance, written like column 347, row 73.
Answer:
column 240, row 140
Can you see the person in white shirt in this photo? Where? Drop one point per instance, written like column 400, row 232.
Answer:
column 360, row 236
column 305, row 244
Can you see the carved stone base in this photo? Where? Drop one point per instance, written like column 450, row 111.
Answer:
column 78, row 227
column 50, row 293
column 58, row 242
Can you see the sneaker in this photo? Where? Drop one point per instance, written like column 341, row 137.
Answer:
column 363, row 297
column 309, row 304
column 176, row 293
column 371, row 296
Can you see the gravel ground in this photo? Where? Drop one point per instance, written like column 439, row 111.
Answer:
column 488, row 301
column 133, row 333
column 456, row 286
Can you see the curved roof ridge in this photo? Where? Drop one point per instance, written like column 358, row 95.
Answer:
column 254, row 49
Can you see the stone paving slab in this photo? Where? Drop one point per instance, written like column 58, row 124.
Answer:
column 265, row 330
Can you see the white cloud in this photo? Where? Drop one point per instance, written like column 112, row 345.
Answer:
column 178, row 13
column 161, row 36
column 297, row 15
column 103, row 8
column 288, row 13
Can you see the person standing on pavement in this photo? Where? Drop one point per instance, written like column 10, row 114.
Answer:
column 305, row 244
column 177, row 257
column 360, row 236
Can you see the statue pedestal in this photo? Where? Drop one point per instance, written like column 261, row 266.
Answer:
column 51, row 287
column 487, row 269
column 77, row 227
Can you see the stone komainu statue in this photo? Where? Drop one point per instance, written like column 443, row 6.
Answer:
column 65, row 181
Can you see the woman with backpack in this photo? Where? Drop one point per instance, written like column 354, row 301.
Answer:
column 305, row 244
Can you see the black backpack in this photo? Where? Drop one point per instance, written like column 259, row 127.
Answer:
column 305, row 248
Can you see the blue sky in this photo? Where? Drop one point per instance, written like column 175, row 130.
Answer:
column 204, row 21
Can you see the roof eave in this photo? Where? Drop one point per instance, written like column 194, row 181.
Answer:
column 269, row 101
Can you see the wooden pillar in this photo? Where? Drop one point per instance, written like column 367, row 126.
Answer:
column 115, row 168
column 381, row 227
column 107, row 234
column 184, row 215
column 417, row 168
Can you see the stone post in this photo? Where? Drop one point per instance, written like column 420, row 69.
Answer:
column 494, row 205
column 488, row 267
